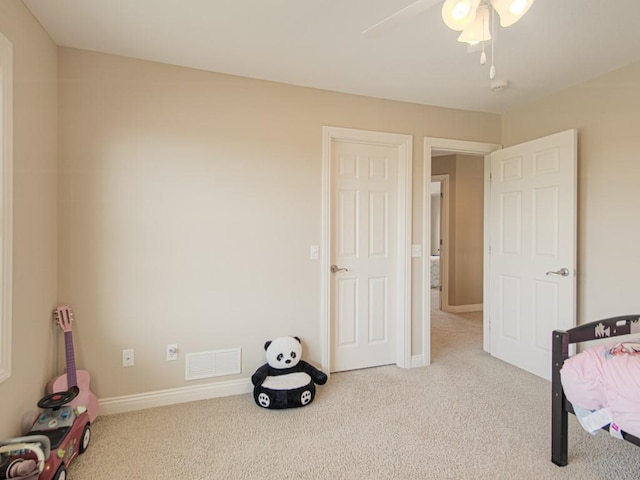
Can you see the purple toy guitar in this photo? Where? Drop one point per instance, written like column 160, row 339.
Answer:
column 79, row 378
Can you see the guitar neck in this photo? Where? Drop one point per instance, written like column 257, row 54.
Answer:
column 72, row 379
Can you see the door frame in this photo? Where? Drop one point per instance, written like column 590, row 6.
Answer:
column 466, row 148
column 444, row 180
column 404, row 145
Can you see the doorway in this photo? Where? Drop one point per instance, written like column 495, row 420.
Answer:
column 536, row 301
column 435, row 147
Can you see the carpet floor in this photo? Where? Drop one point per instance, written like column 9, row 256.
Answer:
column 466, row 416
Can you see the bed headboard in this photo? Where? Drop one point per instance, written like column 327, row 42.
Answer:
column 609, row 327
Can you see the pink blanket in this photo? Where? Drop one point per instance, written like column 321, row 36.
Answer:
column 607, row 376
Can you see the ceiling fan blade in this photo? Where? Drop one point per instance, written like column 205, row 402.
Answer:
column 400, row 16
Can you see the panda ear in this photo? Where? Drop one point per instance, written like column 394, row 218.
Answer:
column 298, row 339
column 266, row 345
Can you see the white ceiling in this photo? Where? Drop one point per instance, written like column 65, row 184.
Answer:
column 318, row 43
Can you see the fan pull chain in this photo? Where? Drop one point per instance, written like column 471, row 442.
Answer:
column 492, row 70
column 483, row 56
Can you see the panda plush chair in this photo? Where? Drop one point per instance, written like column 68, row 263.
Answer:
column 285, row 381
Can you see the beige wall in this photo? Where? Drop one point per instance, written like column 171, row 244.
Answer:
column 188, row 203
column 34, row 234
column 469, row 214
column 436, row 206
column 606, row 113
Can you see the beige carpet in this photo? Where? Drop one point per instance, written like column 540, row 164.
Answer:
column 467, row 416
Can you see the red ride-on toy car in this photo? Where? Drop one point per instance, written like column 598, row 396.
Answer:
column 59, row 434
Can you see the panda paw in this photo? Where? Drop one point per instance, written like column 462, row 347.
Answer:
column 264, row 400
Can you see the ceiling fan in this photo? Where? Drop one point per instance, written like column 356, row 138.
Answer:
column 476, row 19
column 397, row 18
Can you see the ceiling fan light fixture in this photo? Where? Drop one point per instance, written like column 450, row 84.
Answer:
column 459, row 14
column 478, row 31
column 511, row 11
column 518, row 7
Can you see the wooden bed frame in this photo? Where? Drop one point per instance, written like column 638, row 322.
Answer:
column 560, row 406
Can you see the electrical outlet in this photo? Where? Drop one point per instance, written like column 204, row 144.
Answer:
column 127, row 357
column 172, row 351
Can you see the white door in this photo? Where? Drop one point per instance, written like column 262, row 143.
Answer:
column 532, row 266
column 364, row 245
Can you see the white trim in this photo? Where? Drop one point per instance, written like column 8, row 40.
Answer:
column 462, row 146
column 466, row 308
column 6, row 209
column 161, row 398
column 486, row 323
column 417, row 361
column 453, row 146
column 404, row 144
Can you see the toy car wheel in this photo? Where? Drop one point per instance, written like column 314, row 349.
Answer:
column 61, row 474
column 85, row 439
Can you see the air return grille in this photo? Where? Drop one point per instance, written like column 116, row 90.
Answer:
column 214, row 363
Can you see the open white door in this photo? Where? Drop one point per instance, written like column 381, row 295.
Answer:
column 532, row 261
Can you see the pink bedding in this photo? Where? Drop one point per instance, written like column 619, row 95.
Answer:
column 607, row 376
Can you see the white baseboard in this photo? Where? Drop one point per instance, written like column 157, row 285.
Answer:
column 464, row 308
column 417, row 361
column 161, row 398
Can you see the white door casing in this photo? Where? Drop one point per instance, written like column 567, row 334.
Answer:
column 365, row 311
column 533, row 232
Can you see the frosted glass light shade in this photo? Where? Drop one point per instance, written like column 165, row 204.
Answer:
column 459, row 14
column 478, row 31
column 510, row 11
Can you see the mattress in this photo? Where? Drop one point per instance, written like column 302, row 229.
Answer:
column 606, row 378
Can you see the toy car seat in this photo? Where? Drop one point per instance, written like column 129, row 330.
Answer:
column 23, row 458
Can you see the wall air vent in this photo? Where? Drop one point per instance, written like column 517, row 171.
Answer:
column 214, row 363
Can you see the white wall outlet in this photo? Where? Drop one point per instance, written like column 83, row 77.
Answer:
column 127, row 357
column 172, row 351
column 314, row 252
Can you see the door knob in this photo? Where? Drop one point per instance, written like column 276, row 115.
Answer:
column 563, row 272
column 336, row 269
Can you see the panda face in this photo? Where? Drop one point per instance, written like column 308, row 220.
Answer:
column 283, row 352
